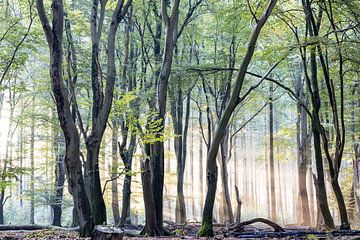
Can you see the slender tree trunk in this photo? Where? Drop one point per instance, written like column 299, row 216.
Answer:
column 224, row 147
column 271, row 156
column 320, row 181
column 21, row 156
column 32, row 165
column 201, row 171
column 177, row 119
column 302, row 142
column 127, row 159
column 114, row 173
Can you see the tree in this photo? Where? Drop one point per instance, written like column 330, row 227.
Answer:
column 72, row 161
column 101, row 100
column 206, row 227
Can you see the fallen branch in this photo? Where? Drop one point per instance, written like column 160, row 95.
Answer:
column 274, row 225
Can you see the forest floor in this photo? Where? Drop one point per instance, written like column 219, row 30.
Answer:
column 256, row 231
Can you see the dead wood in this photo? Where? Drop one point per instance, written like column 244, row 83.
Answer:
column 275, row 226
column 32, row 227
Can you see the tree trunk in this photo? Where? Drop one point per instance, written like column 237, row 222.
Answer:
column 127, row 159
column 177, row 119
column 271, row 157
column 321, row 193
column 238, row 207
column 302, row 142
column 59, row 179
column 97, row 200
column 201, row 171
column 151, row 227
column 114, row 173
column 224, row 147
column 21, row 156
column 32, row 165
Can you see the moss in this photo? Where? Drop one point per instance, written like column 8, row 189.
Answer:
column 206, row 230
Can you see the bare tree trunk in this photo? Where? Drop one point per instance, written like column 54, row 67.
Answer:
column 224, row 147
column 32, row 165
column 201, row 170
column 21, row 156
column 56, row 205
column 302, row 142
column 114, row 173
column 271, row 157
column 150, row 228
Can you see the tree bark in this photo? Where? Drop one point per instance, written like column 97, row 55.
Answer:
column 59, row 179
column 303, row 147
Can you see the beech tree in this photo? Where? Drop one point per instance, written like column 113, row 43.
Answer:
column 206, row 227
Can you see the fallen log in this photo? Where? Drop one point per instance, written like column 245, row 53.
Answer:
column 274, row 225
column 33, row 227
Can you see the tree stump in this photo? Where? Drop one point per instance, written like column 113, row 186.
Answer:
column 107, row 233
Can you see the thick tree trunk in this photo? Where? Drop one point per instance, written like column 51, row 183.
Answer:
column 59, row 180
column 97, row 200
column 151, row 227
column 75, row 222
